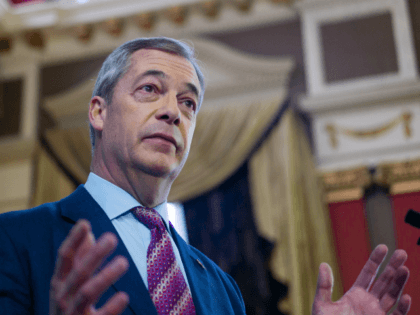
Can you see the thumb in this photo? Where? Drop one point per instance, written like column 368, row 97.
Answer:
column 325, row 284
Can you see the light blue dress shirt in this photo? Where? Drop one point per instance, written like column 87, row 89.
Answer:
column 117, row 204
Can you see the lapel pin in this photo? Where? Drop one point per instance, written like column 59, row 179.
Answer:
column 201, row 264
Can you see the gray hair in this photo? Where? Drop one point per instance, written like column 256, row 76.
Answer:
column 117, row 64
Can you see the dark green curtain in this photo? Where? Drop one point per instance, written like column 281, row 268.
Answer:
column 220, row 224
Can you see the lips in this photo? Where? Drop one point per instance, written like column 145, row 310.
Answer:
column 164, row 136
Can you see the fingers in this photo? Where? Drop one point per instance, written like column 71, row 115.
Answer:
column 85, row 268
column 383, row 283
column 116, row 305
column 324, row 284
column 403, row 305
column 84, row 247
column 394, row 290
column 90, row 292
column 368, row 273
column 74, row 287
column 69, row 247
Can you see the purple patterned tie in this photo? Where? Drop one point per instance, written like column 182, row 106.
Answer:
column 167, row 286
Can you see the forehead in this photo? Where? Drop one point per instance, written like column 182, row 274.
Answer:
column 172, row 65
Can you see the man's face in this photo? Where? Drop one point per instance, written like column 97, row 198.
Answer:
column 150, row 122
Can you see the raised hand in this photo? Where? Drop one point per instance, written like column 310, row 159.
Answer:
column 364, row 297
column 74, row 286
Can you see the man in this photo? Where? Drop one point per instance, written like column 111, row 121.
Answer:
column 142, row 115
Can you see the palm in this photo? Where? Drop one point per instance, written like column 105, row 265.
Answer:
column 364, row 297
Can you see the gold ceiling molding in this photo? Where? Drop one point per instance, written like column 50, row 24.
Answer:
column 146, row 21
column 347, row 178
column 34, row 39
column 404, row 118
column 114, row 27
column 345, row 185
column 243, row 5
column 402, row 177
column 84, row 32
column 177, row 14
column 281, row 1
column 211, row 9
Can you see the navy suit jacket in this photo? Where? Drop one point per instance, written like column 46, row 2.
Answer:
column 29, row 241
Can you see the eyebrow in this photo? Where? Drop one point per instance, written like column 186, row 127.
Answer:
column 157, row 73
column 191, row 87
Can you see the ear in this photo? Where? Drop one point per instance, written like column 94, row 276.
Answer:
column 97, row 112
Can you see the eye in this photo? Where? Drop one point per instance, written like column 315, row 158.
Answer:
column 190, row 104
column 149, row 88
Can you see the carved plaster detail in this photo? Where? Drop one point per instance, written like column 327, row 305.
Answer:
column 404, row 118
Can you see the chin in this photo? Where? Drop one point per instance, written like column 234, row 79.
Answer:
column 161, row 169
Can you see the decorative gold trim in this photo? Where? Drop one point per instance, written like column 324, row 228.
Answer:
column 281, row 1
column 84, row 32
column 177, row 14
column 211, row 9
column 392, row 173
column 405, row 187
column 345, row 185
column 243, row 5
column 344, row 195
column 402, row 177
column 34, row 39
column 357, row 177
column 114, row 27
column 404, row 118
column 146, row 21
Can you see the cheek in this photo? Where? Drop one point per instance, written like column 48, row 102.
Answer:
column 190, row 133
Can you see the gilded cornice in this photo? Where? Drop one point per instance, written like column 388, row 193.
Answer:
column 401, row 177
column 108, row 17
column 346, row 185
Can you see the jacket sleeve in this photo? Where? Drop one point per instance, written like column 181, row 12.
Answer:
column 15, row 296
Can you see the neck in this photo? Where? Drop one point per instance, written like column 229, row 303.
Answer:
column 148, row 190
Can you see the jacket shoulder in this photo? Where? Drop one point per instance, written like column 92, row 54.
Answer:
column 33, row 215
column 45, row 212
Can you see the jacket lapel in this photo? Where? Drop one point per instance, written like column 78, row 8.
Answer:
column 197, row 275
column 81, row 205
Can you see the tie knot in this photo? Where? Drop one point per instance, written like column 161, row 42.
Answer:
column 149, row 217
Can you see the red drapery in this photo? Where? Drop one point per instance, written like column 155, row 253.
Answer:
column 14, row 2
column 407, row 237
column 351, row 238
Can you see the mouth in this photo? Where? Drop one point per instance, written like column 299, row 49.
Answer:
column 163, row 136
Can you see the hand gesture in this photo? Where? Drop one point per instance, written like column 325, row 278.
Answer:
column 75, row 287
column 363, row 297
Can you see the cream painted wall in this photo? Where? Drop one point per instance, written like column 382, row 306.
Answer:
column 15, row 185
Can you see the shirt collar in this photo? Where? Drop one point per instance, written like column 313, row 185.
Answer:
column 114, row 200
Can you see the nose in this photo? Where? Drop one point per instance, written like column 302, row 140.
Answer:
column 169, row 110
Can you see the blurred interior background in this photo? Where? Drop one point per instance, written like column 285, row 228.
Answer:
column 307, row 147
